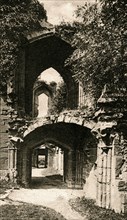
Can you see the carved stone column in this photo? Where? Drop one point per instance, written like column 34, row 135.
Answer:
column 111, row 133
column 12, row 161
column 15, row 124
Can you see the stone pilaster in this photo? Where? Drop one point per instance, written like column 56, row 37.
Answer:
column 12, row 159
column 111, row 133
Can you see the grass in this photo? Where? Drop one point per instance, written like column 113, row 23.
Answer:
column 87, row 207
column 26, row 211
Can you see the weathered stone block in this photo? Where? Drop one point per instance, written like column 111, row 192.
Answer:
column 104, row 175
column 100, row 171
column 124, row 198
column 67, row 119
column 119, row 163
column 124, row 208
column 121, row 183
column 109, row 158
column 122, row 186
column 61, row 118
column 108, row 175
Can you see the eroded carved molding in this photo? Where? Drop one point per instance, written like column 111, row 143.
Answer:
column 111, row 132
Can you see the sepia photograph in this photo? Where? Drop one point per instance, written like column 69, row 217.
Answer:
column 63, row 110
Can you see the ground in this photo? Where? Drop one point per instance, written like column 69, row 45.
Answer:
column 50, row 199
column 49, row 192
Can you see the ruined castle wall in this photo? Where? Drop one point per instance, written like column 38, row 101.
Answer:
column 4, row 136
column 87, row 100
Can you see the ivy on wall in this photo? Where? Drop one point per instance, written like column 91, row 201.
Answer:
column 99, row 36
column 17, row 17
column 58, row 103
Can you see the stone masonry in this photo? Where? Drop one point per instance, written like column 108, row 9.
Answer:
column 98, row 141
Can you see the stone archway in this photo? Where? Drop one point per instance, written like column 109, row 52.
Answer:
column 36, row 56
column 77, row 142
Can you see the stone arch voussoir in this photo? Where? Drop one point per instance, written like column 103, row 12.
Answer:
column 62, row 117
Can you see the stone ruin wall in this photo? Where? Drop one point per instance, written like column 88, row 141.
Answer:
column 4, row 139
column 110, row 174
column 108, row 177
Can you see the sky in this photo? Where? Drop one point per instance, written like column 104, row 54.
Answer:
column 59, row 10
column 42, row 105
column 50, row 75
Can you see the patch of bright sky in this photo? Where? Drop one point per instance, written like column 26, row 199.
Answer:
column 51, row 75
column 42, row 105
column 59, row 10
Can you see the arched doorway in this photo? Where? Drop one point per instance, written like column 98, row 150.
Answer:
column 76, row 141
column 47, row 167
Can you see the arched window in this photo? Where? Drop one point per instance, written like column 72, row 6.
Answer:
column 43, row 91
column 42, row 105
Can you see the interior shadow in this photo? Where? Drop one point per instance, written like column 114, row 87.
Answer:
column 48, row 182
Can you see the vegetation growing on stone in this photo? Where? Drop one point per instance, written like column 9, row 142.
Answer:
column 17, row 17
column 59, row 99
column 87, row 208
column 99, row 36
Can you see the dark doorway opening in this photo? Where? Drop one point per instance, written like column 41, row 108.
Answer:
column 48, row 167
